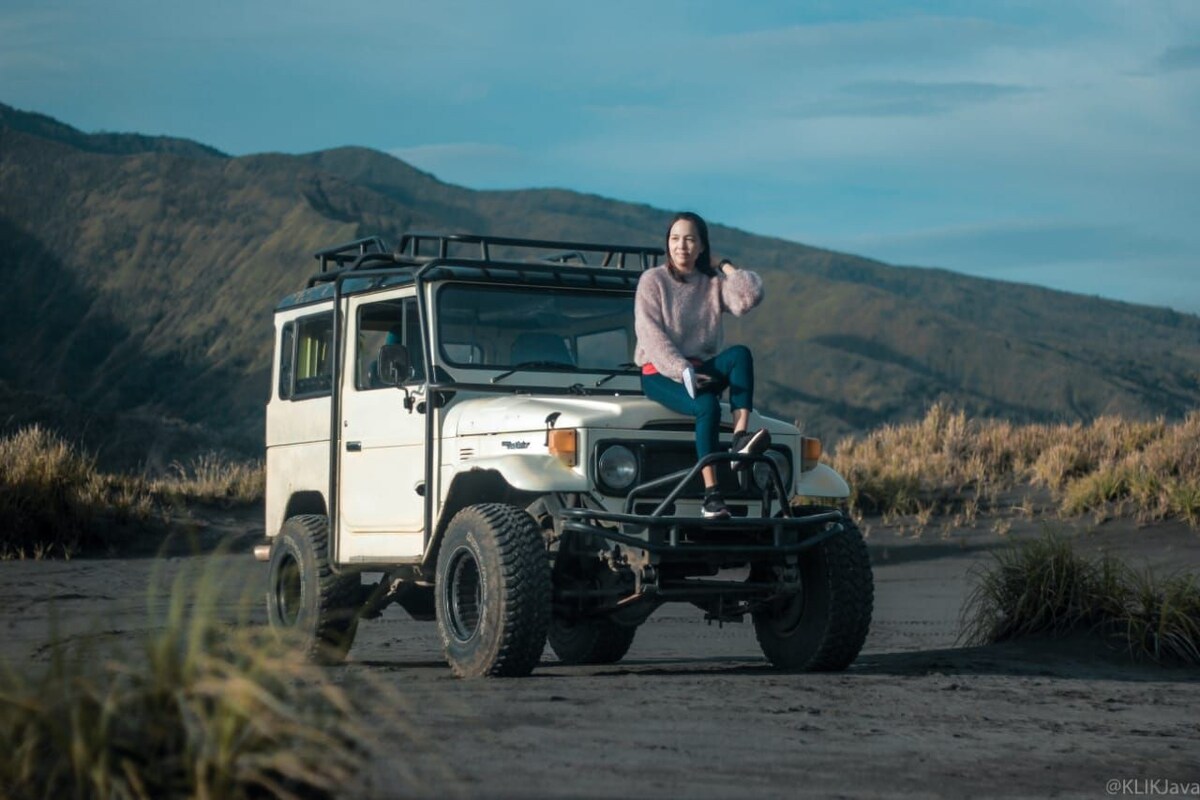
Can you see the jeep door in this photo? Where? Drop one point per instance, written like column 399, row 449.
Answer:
column 382, row 449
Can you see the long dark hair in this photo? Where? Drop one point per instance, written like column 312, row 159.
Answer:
column 704, row 260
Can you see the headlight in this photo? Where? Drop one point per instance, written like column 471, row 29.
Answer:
column 618, row 467
column 762, row 473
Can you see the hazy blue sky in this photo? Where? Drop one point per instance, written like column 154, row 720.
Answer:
column 1047, row 142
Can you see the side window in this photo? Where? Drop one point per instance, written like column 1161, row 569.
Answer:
column 287, row 354
column 384, row 323
column 314, row 356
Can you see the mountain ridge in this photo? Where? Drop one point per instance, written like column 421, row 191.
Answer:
column 47, row 127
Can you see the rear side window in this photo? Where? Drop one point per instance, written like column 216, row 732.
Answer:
column 306, row 358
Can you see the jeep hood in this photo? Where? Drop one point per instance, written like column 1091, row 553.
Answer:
column 499, row 414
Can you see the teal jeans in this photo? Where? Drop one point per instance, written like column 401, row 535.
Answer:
column 734, row 368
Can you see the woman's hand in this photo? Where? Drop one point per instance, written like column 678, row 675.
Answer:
column 725, row 265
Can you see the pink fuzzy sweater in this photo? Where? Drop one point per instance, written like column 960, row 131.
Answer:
column 676, row 321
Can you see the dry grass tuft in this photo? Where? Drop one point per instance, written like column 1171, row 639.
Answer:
column 215, row 480
column 55, row 502
column 1044, row 587
column 195, row 709
column 950, row 464
column 941, row 462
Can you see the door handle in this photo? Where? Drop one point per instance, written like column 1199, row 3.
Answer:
column 353, row 447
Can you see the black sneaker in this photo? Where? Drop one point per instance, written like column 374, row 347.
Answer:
column 749, row 443
column 714, row 506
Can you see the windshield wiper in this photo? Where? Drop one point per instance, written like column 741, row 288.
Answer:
column 625, row 369
column 559, row 366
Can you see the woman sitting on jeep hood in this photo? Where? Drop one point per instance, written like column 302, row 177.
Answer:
column 677, row 315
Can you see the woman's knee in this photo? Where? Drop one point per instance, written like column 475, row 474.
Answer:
column 739, row 352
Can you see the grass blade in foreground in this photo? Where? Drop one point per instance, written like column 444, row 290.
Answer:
column 198, row 709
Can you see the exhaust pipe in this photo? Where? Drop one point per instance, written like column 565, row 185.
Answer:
column 262, row 552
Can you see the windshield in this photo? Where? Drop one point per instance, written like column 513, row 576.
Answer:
column 539, row 327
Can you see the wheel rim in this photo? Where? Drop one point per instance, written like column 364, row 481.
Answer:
column 288, row 591
column 788, row 615
column 465, row 595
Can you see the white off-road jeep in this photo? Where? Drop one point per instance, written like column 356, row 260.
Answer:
column 460, row 416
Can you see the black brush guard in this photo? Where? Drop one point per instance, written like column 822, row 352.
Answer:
column 697, row 537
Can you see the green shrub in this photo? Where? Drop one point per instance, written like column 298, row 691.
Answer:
column 1162, row 618
column 1037, row 587
column 1044, row 587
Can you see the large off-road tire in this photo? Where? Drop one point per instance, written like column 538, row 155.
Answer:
column 306, row 596
column 589, row 641
column 492, row 592
column 823, row 626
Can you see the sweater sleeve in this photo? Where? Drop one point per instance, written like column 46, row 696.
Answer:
column 741, row 291
column 654, row 342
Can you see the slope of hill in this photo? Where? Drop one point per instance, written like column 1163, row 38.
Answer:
column 141, row 271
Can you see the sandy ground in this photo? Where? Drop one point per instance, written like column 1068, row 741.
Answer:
column 694, row 711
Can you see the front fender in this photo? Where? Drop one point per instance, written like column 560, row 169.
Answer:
column 821, row 481
column 531, row 473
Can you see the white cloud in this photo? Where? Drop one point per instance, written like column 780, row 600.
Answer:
column 893, row 98
column 909, row 41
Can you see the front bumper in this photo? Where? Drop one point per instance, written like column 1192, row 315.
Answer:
column 779, row 534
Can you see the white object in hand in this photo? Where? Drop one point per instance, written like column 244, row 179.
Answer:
column 689, row 381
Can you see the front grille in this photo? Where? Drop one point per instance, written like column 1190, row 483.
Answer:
column 663, row 459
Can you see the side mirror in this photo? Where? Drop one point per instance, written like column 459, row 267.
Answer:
column 394, row 364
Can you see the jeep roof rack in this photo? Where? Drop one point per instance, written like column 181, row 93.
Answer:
column 418, row 252
column 565, row 252
column 349, row 252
